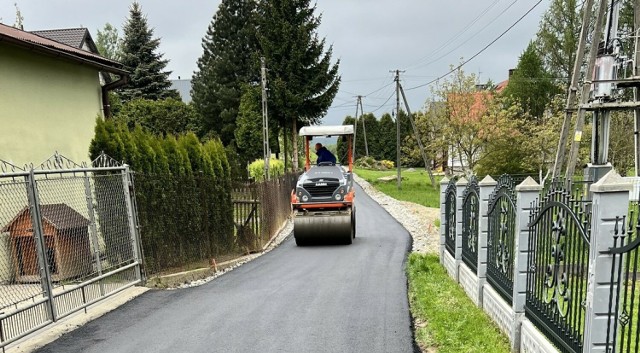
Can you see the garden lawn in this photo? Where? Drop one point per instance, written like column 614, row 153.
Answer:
column 446, row 319
column 416, row 186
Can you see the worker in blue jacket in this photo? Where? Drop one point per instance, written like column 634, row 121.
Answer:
column 324, row 155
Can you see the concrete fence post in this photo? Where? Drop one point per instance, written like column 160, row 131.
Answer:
column 443, row 199
column 460, row 186
column 526, row 193
column 610, row 199
column 487, row 185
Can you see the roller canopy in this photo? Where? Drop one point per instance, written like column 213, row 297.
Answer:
column 329, row 130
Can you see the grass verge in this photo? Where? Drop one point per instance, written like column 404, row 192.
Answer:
column 447, row 320
column 416, row 186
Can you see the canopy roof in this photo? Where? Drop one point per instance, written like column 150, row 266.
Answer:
column 326, row 130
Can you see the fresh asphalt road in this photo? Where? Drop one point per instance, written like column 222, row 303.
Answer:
column 293, row 299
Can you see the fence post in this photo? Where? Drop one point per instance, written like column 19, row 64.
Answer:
column 133, row 229
column 41, row 243
column 443, row 199
column 526, row 193
column 93, row 231
column 460, row 186
column 486, row 188
column 610, row 199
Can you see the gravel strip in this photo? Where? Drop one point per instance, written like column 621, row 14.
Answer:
column 418, row 220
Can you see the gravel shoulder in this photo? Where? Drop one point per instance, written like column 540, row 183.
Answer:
column 418, row 220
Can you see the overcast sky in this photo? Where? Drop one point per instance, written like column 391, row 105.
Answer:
column 370, row 37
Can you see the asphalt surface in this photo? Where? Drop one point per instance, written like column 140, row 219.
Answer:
column 293, row 299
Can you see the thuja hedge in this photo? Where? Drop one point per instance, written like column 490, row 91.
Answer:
column 182, row 190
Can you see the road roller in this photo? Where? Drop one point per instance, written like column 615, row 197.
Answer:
column 323, row 201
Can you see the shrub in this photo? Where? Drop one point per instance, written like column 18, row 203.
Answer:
column 256, row 169
column 371, row 163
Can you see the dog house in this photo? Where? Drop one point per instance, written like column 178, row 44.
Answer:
column 66, row 240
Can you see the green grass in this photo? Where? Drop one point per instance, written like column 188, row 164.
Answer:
column 416, row 186
column 448, row 320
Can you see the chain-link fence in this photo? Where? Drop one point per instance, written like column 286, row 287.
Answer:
column 67, row 240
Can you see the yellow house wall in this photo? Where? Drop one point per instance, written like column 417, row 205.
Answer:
column 47, row 104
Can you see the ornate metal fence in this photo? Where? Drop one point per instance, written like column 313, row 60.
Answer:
column 624, row 296
column 68, row 238
column 558, row 261
column 470, row 224
column 450, row 217
column 501, row 237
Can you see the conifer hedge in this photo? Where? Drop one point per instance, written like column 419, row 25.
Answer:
column 183, row 194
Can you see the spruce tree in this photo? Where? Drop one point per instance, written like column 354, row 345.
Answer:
column 227, row 63
column 302, row 78
column 148, row 80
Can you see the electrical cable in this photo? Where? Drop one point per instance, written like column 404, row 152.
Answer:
column 455, row 36
column 468, row 39
column 481, row 50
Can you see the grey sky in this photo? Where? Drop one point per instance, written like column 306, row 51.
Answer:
column 369, row 37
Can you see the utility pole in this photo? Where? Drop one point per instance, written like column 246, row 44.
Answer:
column 364, row 128
column 399, row 175
column 573, row 89
column 586, row 88
column 427, row 163
column 265, row 119
column 636, row 91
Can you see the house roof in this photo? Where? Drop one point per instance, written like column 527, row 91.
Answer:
column 60, row 216
column 47, row 46
column 73, row 37
column 501, row 86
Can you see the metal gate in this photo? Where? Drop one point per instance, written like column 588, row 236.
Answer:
column 68, row 239
column 558, row 262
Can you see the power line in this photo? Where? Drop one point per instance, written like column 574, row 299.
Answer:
column 470, row 38
column 481, row 50
column 455, row 36
column 383, row 104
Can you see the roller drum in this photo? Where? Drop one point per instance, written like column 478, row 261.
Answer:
column 326, row 227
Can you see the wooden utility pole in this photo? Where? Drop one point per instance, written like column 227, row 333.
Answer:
column 265, row 119
column 573, row 88
column 586, row 87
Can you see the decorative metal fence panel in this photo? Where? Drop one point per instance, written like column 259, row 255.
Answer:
column 470, row 224
column 450, row 217
column 558, row 261
column 624, row 295
column 501, row 237
column 67, row 240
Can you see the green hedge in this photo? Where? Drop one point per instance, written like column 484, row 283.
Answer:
column 183, row 193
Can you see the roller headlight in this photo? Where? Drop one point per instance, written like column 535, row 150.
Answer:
column 305, row 198
column 338, row 197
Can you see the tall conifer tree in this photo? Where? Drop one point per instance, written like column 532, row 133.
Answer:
column 302, row 78
column 139, row 55
column 228, row 62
